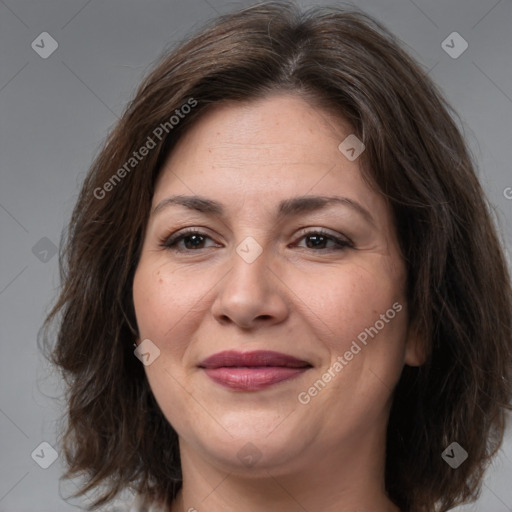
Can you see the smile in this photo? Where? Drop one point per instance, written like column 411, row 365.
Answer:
column 252, row 371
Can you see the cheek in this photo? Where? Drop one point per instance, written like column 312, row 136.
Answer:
column 163, row 309
column 163, row 298
column 179, row 407
column 342, row 304
column 347, row 320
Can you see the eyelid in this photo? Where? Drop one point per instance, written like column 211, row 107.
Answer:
column 341, row 241
column 326, row 232
column 168, row 241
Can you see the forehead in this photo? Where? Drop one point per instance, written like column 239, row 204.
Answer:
column 280, row 138
column 277, row 124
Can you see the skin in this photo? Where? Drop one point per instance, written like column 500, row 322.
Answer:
column 309, row 301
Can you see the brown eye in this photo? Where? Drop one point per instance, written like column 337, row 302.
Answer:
column 186, row 241
column 320, row 239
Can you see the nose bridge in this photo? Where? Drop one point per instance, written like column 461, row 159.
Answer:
column 250, row 250
column 250, row 291
column 251, row 264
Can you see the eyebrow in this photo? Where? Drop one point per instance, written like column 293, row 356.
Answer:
column 287, row 208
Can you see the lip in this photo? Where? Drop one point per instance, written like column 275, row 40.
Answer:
column 252, row 371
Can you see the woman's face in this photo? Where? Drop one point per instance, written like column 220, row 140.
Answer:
column 293, row 254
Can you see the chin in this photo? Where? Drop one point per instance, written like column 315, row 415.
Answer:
column 252, row 446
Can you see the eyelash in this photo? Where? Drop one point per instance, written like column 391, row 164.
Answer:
column 170, row 242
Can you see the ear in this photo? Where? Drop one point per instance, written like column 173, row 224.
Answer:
column 415, row 347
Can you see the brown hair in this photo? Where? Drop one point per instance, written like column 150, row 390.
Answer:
column 459, row 289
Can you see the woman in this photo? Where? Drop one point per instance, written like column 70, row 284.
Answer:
column 282, row 288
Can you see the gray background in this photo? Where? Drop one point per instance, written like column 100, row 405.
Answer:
column 55, row 112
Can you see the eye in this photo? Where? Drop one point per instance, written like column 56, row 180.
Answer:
column 192, row 240
column 318, row 239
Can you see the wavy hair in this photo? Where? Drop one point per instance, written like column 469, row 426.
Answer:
column 458, row 285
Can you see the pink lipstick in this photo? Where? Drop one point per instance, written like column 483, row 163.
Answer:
column 252, row 371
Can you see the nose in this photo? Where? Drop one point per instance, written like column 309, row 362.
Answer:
column 251, row 295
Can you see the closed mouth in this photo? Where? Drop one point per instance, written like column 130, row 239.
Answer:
column 252, row 371
column 255, row 359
